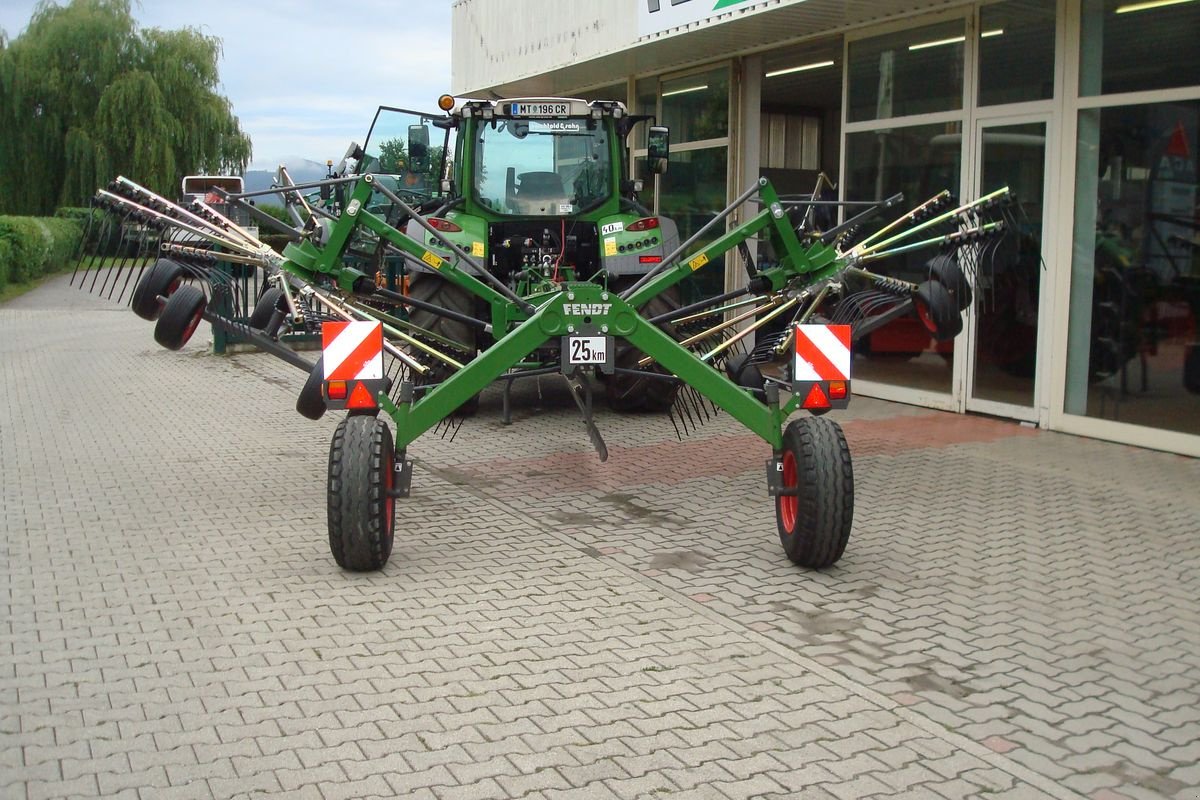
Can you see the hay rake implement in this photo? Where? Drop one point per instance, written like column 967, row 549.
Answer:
column 802, row 308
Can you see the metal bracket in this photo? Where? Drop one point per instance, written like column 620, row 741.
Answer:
column 402, row 471
column 775, row 487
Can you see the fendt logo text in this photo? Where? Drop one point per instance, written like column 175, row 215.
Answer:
column 586, row 309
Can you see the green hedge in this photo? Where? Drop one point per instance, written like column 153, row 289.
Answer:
column 31, row 247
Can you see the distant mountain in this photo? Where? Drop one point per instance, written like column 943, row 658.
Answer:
column 302, row 170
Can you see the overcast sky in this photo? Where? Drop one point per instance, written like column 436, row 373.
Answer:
column 305, row 76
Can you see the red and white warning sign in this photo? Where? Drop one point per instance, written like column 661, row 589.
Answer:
column 353, row 351
column 822, row 353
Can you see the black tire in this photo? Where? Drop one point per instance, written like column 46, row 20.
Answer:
column 938, row 311
column 946, row 271
column 264, row 309
column 361, row 512
column 744, row 372
column 433, row 288
column 180, row 317
column 162, row 279
column 814, row 523
column 632, row 393
column 311, row 400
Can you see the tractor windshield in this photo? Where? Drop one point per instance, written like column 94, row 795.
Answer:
column 537, row 167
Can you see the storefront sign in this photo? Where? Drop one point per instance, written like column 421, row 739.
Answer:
column 656, row 16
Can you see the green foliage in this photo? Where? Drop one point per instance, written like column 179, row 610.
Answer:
column 276, row 211
column 31, row 247
column 85, row 94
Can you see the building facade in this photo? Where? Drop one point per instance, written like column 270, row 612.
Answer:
column 1086, row 316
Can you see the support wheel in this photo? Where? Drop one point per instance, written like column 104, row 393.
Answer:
column 744, row 372
column 264, row 309
column 162, row 279
column 180, row 317
column 631, row 393
column 361, row 508
column 938, row 310
column 311, row 400
column 946, row 271
column 814, row 522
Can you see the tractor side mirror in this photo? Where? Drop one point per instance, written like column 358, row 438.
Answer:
column 418, row 148
column 658, row 148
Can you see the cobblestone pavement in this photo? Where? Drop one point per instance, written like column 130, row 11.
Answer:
column 1016, row 616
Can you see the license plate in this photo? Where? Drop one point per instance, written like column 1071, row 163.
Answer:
column 583, row 350
column 540, row 109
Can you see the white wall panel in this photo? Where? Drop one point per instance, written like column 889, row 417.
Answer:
column 498, row 41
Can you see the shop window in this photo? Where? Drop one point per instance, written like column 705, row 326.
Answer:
column 696, row 107
column 919, row 161
column 1133, row 352
column 1016, row 52
column 918, row 71
column 1132, row 46
column 691, row 193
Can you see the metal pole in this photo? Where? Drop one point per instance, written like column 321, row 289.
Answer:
column 671, row 259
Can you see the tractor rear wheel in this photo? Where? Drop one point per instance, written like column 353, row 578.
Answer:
column 311, row 400
column 433, row 288
column 161, row 280
column 361, row 508
column 814, row 518
column 180, row 317
column 632, row 393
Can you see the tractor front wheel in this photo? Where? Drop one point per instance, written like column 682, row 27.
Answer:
column 361, row 507
column 815, row 513
column 629, row 393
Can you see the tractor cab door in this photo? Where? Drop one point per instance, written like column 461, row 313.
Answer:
column 409, row 151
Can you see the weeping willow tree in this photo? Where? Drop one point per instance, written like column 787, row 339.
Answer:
column 85, row 94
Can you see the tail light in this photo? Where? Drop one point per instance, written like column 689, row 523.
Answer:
column 443, row 225
column 643, row 224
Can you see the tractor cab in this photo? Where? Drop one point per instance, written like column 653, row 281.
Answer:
column 537, row 190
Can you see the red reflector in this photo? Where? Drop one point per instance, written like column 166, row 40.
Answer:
column 649, row 259
column 443, row 225
column 643, row 224
column 837, row 390
column 816, row 398
column 361, row 397
column 337, row 390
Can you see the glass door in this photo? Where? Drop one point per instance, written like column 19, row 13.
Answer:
column 1004, row 321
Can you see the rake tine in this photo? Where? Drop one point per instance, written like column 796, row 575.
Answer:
column 671, row 416
column 83, row 243
column 101, row 244
column 96, row 274
column 121, row 267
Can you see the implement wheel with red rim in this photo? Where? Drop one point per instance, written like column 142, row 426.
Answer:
column 161, row 280
column 362, row 518
column 180, row 317
column 938, row 310
column 815, row 515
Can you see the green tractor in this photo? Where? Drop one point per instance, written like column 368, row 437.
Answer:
column 537, row 191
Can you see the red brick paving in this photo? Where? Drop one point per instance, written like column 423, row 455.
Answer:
column 672, row 462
